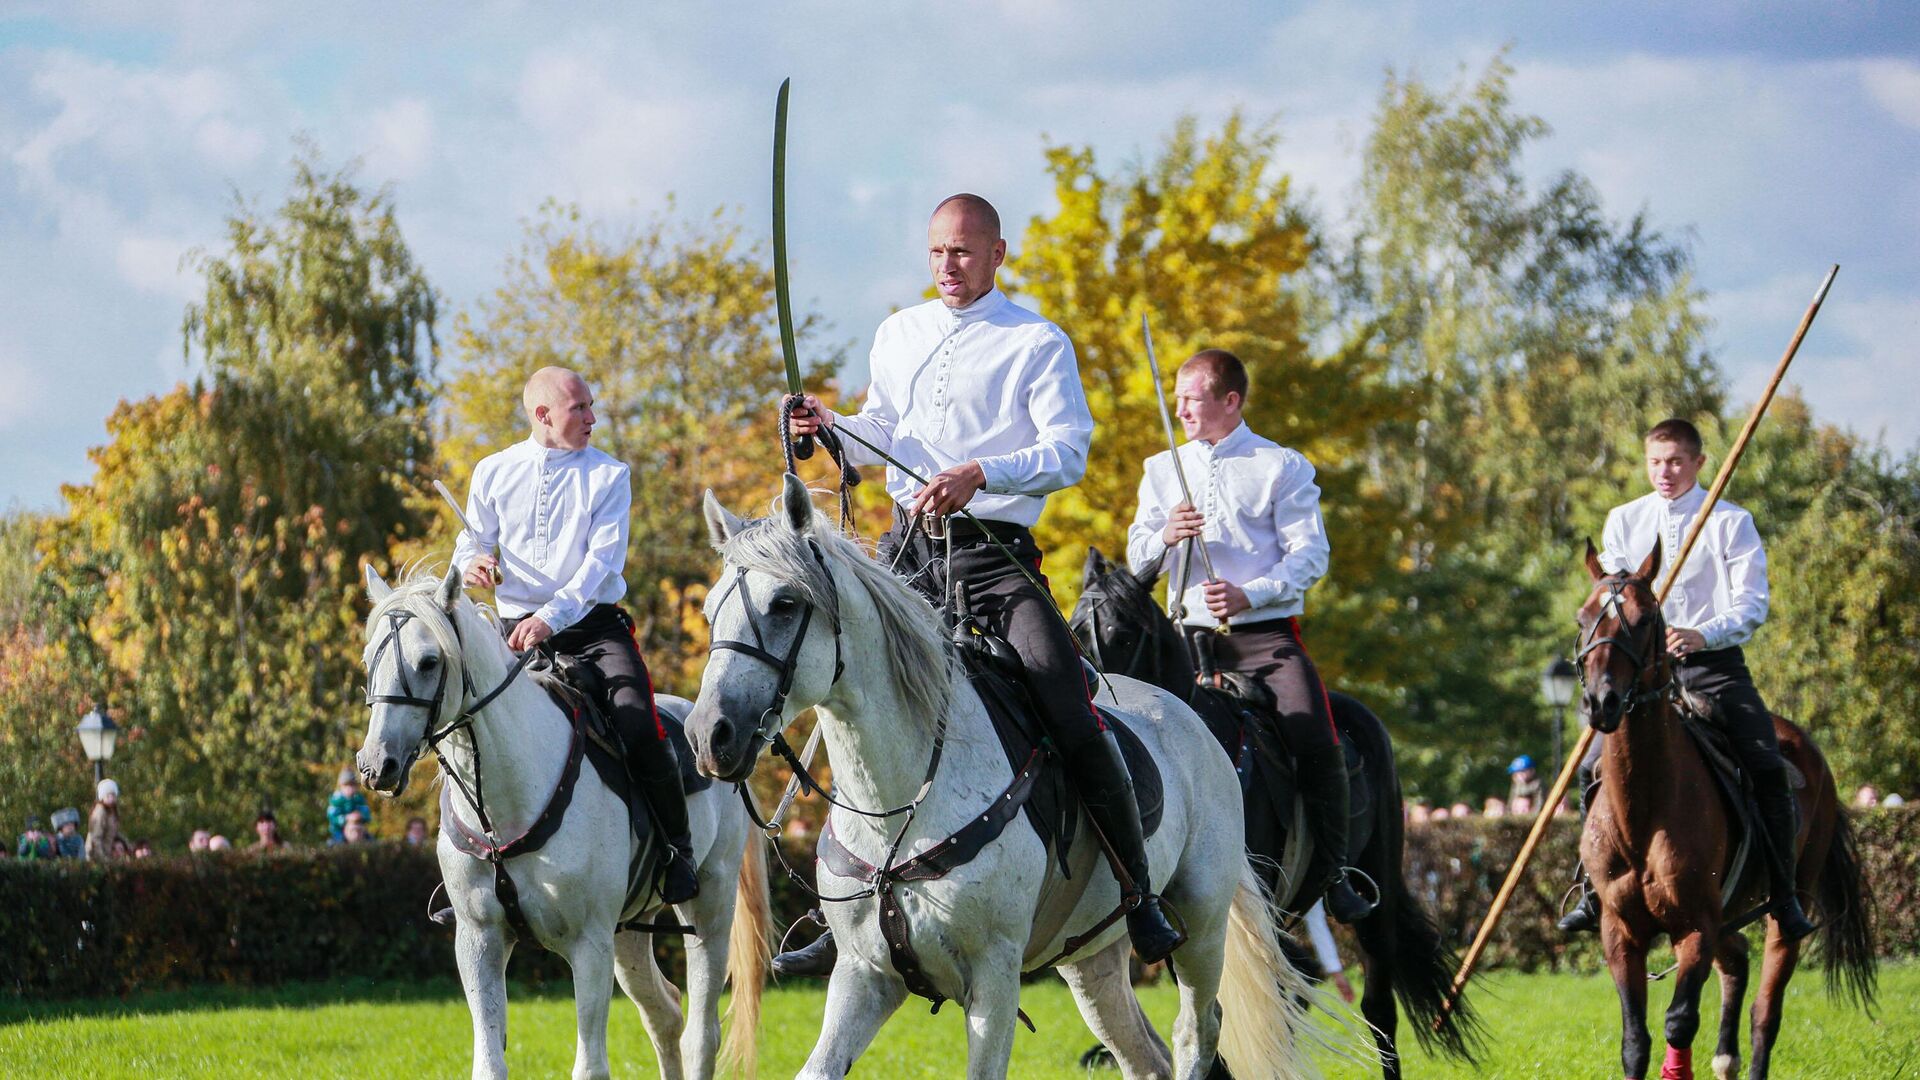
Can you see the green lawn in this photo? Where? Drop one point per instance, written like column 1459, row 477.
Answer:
column 1562, row 1026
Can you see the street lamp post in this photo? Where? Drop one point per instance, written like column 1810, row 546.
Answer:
column 1556, row 688
column 97, row 732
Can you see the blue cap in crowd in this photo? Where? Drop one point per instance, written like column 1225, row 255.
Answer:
column 1519, row 763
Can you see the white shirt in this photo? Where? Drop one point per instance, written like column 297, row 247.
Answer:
column 559, row 518
column 991, row 382
column 1722, row 591
column 1263, row 527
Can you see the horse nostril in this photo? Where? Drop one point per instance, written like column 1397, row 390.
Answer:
column 722, row 733
column 386, row 777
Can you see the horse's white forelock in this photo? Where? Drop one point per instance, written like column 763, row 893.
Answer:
column 478, row 646
column 917, row 656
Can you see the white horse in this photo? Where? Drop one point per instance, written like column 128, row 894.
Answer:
column 426, row 634
column 799, row 590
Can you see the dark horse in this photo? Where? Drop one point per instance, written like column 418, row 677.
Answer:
column 1123, row 630
column 1659, row 845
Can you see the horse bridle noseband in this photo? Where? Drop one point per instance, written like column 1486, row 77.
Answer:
column 1643, row 656
column 787, row 666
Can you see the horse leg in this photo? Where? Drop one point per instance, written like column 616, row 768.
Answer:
column 1197, row 967
column 652, row 994
column 712, row 913
column 1775, row 970
column 1694, row 963
column 1100, row 986
column 1731, row 960
column 1377, row 958
column 591, row 958
column 481, row 954
column 993, row 1008
column 1627, row 960
column 860, row 998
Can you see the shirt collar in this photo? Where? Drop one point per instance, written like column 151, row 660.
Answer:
column 986, row 305
column 1687, row 502
column 552, row 455
column 1228, row 441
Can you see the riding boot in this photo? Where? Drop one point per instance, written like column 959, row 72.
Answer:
column 1323, row 786
column 1585, row 916
column 1106, row 788
column 655, row 770
column 811, row 961
column 1778, row 818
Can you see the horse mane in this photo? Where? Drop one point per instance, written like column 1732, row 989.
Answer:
column 478, row 646
column 918, row 658
column 1132, row 597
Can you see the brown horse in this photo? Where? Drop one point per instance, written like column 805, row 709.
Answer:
column 1658, row 843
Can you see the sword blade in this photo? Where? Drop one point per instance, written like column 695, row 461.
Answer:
column 782, row 289
column 1173, row 449
column 464, row 523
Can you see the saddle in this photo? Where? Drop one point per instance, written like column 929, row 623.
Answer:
column 1701, row 719
column 1053, row 809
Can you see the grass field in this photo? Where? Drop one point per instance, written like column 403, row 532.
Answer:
column 1541, row 1025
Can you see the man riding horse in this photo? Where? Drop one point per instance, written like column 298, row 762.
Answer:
column 1718, row 603
column 559, row 507
column 1260, row 521
column 984, row 398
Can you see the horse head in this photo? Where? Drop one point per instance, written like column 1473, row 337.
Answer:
column 1115, row 617
column 774, row 615
column 1623, row 642
column 412, row 656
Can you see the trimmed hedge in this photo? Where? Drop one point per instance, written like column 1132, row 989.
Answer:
column 1457, row 867
column 91, row 929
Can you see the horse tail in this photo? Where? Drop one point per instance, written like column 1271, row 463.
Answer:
column 749, row 950
column 1264, row 1029
column 1846, row 912
column 1423, row 975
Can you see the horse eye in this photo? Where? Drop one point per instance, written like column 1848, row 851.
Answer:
column 428, row 663
column 783, row 605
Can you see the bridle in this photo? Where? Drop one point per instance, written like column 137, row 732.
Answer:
column 1095, row 600
column 769, row 724
column 397, row 617
column 1644, row 655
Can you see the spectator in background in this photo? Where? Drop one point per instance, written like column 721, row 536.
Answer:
column 266, row 832
column 103, row 823
column 199, row 840
column 219, row 843
column 1440, row 813
column 416, row 831
column 122, row 849
column 1461, row 810
column 67, row 841
column 1494, row 808
column 353, row 830
column 1523, row 786
column 347, row 799
column 143, row 849
column 34, row 844
column 1419, row 813
column 1893, row 801
column 1867, row 797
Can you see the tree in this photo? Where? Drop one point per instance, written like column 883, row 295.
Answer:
column 672, row 325
column 225, row 525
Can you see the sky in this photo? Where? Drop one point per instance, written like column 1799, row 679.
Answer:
column 1776, row 138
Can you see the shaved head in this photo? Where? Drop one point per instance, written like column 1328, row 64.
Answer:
column 964, row 249
column 978, row 212
column 559, row 407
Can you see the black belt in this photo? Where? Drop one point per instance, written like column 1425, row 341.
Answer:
column 972, row 531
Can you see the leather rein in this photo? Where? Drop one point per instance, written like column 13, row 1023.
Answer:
column 1645, row 656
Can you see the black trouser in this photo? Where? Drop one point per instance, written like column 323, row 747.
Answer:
column 603, row 641
column 1721, row 674
column 1271, row 653
column 1010, row 606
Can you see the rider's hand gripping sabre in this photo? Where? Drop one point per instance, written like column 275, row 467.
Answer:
column 1173, row 449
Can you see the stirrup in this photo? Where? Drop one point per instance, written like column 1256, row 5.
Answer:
column 813, row 960
column 1341, row 888
column 1154, row 937
column 1585, row 916
column 679, row 881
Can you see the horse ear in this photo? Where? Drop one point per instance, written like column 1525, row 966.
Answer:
column 1651, row 566
column 1096, row 565
column 377, row 587
column 1594, row 569
column 722, row 523
column 449, row 593
column 797, row 501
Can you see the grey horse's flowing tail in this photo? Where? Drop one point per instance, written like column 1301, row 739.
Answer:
column 1846, row 914
column 749, row 950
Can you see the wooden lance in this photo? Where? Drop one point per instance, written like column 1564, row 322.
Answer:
column 1572, row 764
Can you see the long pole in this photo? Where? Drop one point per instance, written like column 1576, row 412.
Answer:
column 1572, row 765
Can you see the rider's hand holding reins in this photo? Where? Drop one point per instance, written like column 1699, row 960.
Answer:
column 948, row 491
column 807, row 418
column 532, row 631
column 1184, row 523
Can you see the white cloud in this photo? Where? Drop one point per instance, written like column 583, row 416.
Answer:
column 1894, row 85
column 400, row 139
column 153, row 264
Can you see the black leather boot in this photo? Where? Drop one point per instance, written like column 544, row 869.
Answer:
column 1585, row 916
column 1106, row 789
column 1323, row 786
column 654, row 769
column 811, row 961
column 1779, row 818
